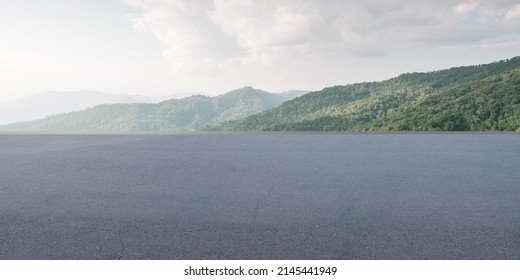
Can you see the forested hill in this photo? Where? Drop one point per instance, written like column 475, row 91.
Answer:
column 390, row 104
column 491, row 104
column 191, row 113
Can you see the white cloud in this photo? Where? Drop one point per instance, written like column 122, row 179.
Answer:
column 193, row 43
column 268, row 29
column 227, row 37
column 466, row 7
column 513, row 13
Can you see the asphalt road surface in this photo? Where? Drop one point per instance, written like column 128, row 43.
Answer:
column 260, row 196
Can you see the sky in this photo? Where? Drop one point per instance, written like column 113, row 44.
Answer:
column 164, row 47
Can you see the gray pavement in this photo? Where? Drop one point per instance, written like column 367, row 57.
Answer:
column 260, row 196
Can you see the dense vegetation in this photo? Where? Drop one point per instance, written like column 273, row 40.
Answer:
column 191, row 113
column 491, row 104
column 483, row 97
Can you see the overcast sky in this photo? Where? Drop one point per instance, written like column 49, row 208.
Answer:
column 163, row 47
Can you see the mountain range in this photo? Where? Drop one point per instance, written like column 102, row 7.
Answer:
column 471, row 98
column 468, row 98
column 190, row 113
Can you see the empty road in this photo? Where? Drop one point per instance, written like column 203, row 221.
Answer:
column 260, row 196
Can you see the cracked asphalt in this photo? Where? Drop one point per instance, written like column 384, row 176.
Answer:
column 260, row 196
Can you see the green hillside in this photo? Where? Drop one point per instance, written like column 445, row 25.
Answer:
column 369, row 106
column 191, row 113
column 491, row 104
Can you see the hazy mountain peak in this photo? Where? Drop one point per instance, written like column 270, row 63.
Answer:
column 56, row 102
column 189, row 113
